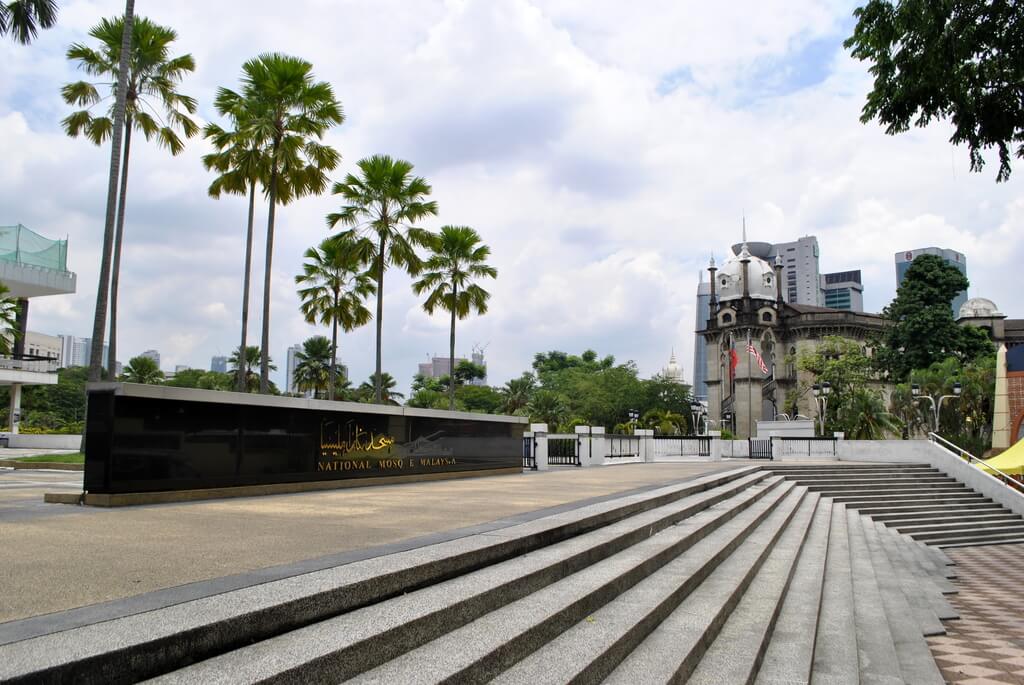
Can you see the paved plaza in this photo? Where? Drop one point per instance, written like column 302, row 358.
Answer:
column 986, row 646
column 59, row 557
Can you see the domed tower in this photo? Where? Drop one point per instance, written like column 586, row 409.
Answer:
column 746, row 308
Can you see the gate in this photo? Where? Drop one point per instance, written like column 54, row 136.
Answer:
column 682, row 446
column 622, row 446
column 760, row 448
column 564, row 450
column 808, row 446
column 530, row 452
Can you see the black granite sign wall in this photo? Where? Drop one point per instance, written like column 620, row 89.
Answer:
column 141, row 444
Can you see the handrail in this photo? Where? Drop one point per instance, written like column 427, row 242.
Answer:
column 1008, row 480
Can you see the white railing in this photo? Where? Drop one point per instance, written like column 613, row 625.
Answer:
column 1007, row 479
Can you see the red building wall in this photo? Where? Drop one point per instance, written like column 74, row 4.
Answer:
column 1015, row 382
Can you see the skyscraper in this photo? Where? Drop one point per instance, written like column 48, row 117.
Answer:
column 700, row 371
column 154, row 355
column 843, row 290
column 801, row 275
column 951, row 257
column 219, row 364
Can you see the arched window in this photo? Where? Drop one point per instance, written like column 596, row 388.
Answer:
column 727, row 318
column 766, row 317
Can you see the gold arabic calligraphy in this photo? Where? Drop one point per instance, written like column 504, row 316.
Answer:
column 333, row 445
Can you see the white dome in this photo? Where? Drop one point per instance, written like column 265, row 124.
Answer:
column 673, row 371
column 979, row 308
column 729, row 279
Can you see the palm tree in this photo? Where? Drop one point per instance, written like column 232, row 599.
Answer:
column 381, row 207
column 152, row 106
column 378, row 386
column 241, row 161
column 251, row 360
column 516, row 393
column 665, row 422
column 8, row 320
column 336, row 286
column 312, row 368
column 457, row 258
column 22, row 19
column 547, row 407
column 292, row 115
column 99, row 320
column 864, row 417
column 142, row 370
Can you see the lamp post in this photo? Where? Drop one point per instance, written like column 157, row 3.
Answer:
column 821, row 393
column 915, row 390
column 633, row 415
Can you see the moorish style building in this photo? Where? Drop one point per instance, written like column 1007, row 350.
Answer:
column 752, row 332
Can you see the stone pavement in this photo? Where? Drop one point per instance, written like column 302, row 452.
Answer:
column 59, row 557
column 986, row 646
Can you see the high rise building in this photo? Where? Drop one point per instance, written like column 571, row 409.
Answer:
column 700, row 371
column 292, row 362
column 75, row 351
column 801, row 275
column 219, row 364
column 843, row 290
column 441, row 366
column 152, row 354
column 951, row 257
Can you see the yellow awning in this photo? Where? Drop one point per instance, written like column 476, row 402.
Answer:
column 1010, row 462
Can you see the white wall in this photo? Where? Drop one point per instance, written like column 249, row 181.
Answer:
column 51, row 442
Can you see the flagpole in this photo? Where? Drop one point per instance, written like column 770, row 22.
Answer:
column 750, row 391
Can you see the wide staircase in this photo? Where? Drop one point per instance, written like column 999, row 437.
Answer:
column 744, row 576
column 915, row 499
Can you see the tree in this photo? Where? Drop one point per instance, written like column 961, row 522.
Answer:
column 665, row 422
column 313, row 366
column 546, row 406
column 958, row 60
column 478, row 398
column 103, row 288
column 844, row 365
column 467, row 372
column 22, row 19
column 241, row 159
column 516, row 393
column 923, row 330
column 293, row 114
column 863, row 416
column 457, row 258
column 153, row 76
column 385, row 383
column 380, row 209
column 142, row 370
column 252, row 359
column 8, row 320
column 335, row 287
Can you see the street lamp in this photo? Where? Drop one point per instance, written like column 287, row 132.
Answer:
column 821, row 393
column 698, row 412
column 633, row 415
column 915, row 390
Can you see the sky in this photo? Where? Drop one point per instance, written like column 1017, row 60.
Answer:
column 604, row 150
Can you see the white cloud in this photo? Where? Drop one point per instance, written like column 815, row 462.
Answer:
column 604, row 151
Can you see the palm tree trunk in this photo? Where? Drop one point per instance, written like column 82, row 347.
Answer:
column 102, row 290
column 115, row 272
column 451, row 355
column 334, row 348
column 265, row 347
column 380, row 315
column 240, row 384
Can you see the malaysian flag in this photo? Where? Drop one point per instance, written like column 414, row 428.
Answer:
column 757, row 355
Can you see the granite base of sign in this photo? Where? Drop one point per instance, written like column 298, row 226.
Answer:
column 147, row 444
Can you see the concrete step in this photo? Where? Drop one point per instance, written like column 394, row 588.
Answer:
column 350, row 644
column 835, row 650
column 928, row 515
column 946, row 523
column 898, row 506
column 927, row 577
column 155, row 642
column 928, row 621
column 790, row 652
column 941, row 539
column 605, row 643
column 880, row 511
column 975, row 543
column 867, row 477
column 737, row 652
column 483, row 649
column 877, row 659
column 908, row 495
column 890, row 466
column 915, row 658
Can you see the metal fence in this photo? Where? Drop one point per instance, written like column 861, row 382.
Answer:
column 682, row 446
column 564, row 450
column 809, row 447
column 29, row 362
column 622, row 446
column 530, row 452
column 760, row 448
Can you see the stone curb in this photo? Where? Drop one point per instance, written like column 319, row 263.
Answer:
column 49, row 465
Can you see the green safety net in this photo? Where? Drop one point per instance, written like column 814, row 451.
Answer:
column 24, row 246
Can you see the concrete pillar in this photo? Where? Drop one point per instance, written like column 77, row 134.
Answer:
column 716, row 445
column 20, row 328
column 1001, row 439
column 583, row 439
column 598, row 445
column 646, row 436
column 15, row 407
column 540, row 442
